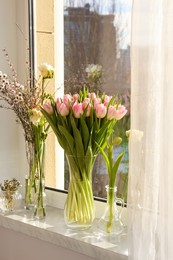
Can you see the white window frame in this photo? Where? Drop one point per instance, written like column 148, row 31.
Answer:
column 59, row 79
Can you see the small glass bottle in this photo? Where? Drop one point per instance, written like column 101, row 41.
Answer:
column 110, row 222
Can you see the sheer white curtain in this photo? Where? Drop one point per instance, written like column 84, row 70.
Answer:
column 150, row 193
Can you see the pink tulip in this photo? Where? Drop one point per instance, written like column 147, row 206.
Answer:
column 48, row 108
column 86, row 101
column 92, row 95
column 63, row 109
column 111, row 113
column 77, row 109
column 68, row 100
column 117, row 114
column 86, row 104
column 58, row 103
column 100, row 111
column 76, row 97
column 107, row 100
column 121, row 111
column 97, row 101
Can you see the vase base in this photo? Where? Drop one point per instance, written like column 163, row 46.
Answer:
column 115, row 228
column 78, row 226
column 29, row 207
column 40, row 213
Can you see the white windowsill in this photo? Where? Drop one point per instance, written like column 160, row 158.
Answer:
column 53, row 230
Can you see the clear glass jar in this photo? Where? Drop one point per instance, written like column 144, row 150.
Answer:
column 79, row 211
column 110, row 222
column 40, row 200
column 11, row 200
column 30, row 187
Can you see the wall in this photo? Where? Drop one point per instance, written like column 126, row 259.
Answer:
column 14, row 245
column 45, row 54
column 9, row 158
column 14, row 38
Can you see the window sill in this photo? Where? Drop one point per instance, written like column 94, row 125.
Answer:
column 53, row 230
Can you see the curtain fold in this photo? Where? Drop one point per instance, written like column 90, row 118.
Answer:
column 150, row 189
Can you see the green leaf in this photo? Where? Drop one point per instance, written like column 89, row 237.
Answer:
column 85, row 132
column 105, row 157
column 68, row 137
column 51, row 120
column 79, row 146
column 89, row 160
column 113, row 172
column 77, row 139
column 101, row 137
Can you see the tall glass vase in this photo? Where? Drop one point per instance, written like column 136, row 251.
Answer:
column 40, row 195
column 30, row 185
column 79, row 211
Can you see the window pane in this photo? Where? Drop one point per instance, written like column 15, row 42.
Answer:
column 98, row 32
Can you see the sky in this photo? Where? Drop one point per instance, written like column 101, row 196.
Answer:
column 104, row 5
column 122, row 15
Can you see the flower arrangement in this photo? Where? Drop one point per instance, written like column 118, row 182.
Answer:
column 82, row 123
column 25, row 100
column 8, row 188
column 112, row 168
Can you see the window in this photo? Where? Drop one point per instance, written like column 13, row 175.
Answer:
column 74, row 34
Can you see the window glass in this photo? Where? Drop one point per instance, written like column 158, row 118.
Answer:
column 98, row 32
column 74, row 34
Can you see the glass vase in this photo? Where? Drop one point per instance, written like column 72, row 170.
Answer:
column 40, row 195
column 40, row 200
column 110, row 222
column 79, row 211
column 10, row 200
column 30, row 185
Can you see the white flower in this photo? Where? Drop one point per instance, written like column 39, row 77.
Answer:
column 47, row 71
column 136, row 135
column 94, row 71
column 93, row 68
column 35, row 116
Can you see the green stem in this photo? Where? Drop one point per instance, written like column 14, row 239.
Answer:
column 30, row 180
column 40, row 207
column 79, row 205
column 110, row 202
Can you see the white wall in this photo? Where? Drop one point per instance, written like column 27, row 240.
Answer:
column 14, row 245
column 13, row 15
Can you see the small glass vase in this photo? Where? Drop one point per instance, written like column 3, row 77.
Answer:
column 79, row 211
column 30, row 185
column 40, row 200
column 35, row 181
column 110, row 222
column 10, row 200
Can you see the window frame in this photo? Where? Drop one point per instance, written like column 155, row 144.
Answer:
column 56, row 196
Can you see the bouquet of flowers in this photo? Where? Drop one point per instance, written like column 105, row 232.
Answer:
column 82, row 123
column 25, row 100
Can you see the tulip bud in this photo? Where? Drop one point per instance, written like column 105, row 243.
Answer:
column 100, row 111
column 48, row 108
column 77, row 109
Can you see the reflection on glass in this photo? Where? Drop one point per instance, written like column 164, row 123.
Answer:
column 98, row 32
